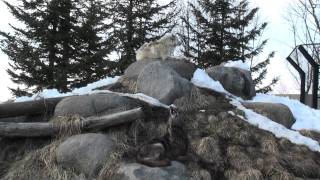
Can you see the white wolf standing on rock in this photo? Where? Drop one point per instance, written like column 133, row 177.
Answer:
column 162, row 48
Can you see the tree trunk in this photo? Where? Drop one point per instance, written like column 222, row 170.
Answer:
column 50, row 129
column 43, row 106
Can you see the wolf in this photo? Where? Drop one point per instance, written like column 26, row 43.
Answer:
column 160, row 49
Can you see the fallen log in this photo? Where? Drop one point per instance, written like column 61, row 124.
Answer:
column 51, row 129
column 43, row 106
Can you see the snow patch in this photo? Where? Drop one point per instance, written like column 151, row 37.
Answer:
column 238, row 64
column 277, row 129
column 202, row 79
column 52, row 93
column 139, row 96
column 306, row 117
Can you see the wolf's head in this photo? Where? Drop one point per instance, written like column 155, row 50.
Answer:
column 170, row 40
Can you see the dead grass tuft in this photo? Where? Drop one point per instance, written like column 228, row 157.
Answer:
column 230, row 174
column 40, row 164
column 269, row 146
column 312, row 134
column 131, row 85
column 67, row 125
column 250, row 174
column 281, row 175
column 195, row 172
column 208, row 149
column 238, row 159
column 195, row 101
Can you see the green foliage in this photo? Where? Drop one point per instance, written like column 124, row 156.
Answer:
column 218, row 31
column 261, row 70
column 59, row 45
column 135, row 22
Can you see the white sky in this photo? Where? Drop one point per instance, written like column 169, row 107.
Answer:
column 278, row 33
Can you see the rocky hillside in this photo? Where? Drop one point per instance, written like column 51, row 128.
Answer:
column 192, row 132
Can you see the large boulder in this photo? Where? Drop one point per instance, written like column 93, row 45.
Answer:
column 130, row 76
column 135, row 171
column 92, row 105
column 237, row 81
column 163, row 83
column 279, row 113
column 85, row 153
column 184, row 68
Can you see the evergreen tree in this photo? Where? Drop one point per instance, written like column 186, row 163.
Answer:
column 58, row 46
column 95, row 43
column 136, row 22
column 218, row 32
column 259, row 72
column 222, row 30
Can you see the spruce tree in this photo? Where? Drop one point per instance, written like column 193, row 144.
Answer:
column 58, row 46
column 259, row 72
column 218, row 32
column 136, row 22
column 95, row 43
column 223, row 30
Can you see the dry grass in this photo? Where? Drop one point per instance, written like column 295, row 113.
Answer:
column 126, row 140
column 195, row 101
column 40, row 164
column 195, row 172
column 269, row 146
column 250, row 174
column 238, row 159
column 208, row 149
column 230, row 174
column 131, row 85
column 280, row 175
column 311, row 134
column 67, row 125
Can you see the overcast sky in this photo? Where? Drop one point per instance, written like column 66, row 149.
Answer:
column 278, row 33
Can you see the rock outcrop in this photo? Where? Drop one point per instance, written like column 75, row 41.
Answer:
column 182, row 67
column 236, row 81
column 279, row 113
column 162, row 83
column 134, row 171
column 93, row 105
column 85, row 153
column 202, row 137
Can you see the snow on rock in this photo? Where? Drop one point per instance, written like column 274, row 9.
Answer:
column 89, row 89
column 277, row 129
column 306, row 117
column 52, row 93
column 139, row 96
column 238, row 64
column 201, row 79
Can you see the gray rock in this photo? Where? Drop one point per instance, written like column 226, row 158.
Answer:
column 85, row 153
column 162, row 83
column 184, row 68
column 130, row 76
column 94, row 104
column 277, row 112
column 237, row 81
column 134, row 171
